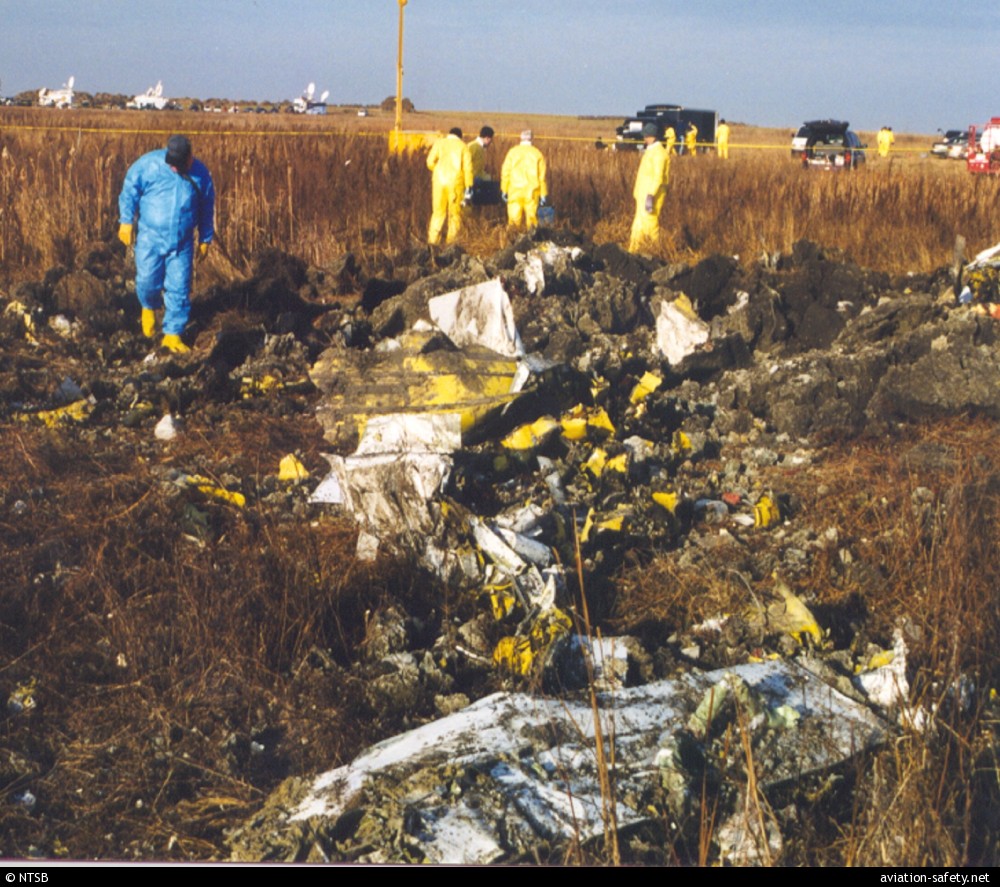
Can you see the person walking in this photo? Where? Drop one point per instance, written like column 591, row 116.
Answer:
column 670, row 136
column 451, row 185
column 167, row 194
column 722, row 139
column 523, row 185
column 650, row 190
column 885, row 140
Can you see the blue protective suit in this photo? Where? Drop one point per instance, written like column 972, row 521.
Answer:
column 170, row 206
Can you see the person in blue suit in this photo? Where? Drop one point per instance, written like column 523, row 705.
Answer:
column 167, row 194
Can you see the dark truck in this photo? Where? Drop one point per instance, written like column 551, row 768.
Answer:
column 629, row 134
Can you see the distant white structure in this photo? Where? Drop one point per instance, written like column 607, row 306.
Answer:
column 57, row 98
column 304, row 104
column 151, row 99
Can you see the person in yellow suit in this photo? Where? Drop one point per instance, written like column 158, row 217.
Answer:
column 451, row 184
column 885, row 140
column 690, row 139
column 671, row 139
column 477, row 150
column 722, row 139
column 523, row 182
column 650, row 190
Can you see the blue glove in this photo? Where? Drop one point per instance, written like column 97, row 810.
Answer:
column 468, row 197
column 544, row 201
column 649, row 203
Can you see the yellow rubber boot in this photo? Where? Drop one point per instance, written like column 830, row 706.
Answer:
column 148, row 322
column 174, row 343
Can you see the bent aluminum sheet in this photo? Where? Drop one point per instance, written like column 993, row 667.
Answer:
column 536, row 762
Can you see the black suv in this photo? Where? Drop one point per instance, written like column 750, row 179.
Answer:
column 828, row 144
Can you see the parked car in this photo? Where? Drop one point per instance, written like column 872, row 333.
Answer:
column 952, row 139
column 629, row 135
column 828, row 144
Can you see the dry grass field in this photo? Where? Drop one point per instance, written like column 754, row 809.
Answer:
column 320, row 186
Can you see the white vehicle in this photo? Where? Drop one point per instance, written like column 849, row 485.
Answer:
column 304, row 104
column 57, row 98
column 152, row 99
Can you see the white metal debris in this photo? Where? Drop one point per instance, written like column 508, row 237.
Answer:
column 478, row 315
column 678, row 334
column 538, row 754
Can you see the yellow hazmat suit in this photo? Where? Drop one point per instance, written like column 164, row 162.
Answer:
column 690, row 139
column 885, row 140
column 451, row 164
column 671, row 139
column 722, row 140
column 522, row 179
column 649, row 193
column 478, row 154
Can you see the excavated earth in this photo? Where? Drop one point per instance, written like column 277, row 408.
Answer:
column 187, row 637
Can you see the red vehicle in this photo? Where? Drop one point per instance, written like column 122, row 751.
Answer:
column 984, row 150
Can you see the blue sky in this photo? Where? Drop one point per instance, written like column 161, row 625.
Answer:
column 915, row 65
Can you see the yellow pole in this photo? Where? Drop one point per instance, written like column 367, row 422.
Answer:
column 399, row 73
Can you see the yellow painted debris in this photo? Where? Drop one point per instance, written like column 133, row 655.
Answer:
column 530, row 436
column 251, row 385
column 475, row 383
column 23, row 696
column 514, row 654
column 574, row 427
column 204, row 485
column 519, row 653
column 77, row 411
column 291, row 468
column 766, row 512
column 595, row 464
column 792, row 616
column 581, row 422
column 878, row 660
column 680, row 443
column 21, row 310
column 599, row 419
column 613, row 521
column 503, row 601
column 683, row 304
column 644, row 387
column 667, row 500
column 617, row 463
column 597, row 385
